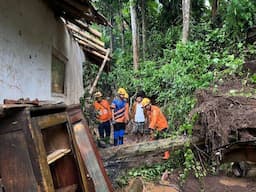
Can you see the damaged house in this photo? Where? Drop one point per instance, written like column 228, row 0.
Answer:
column 40, row 57
column 45, row 142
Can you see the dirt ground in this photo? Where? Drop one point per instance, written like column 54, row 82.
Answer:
column 219, row 183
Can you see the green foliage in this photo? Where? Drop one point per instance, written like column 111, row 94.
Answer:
column 191, row 165
column 155, row 171
column 173, row 71
column 174, row 77
column 238, row 15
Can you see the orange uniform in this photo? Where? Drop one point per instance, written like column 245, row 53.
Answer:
column 156, row 118
column 103, row 110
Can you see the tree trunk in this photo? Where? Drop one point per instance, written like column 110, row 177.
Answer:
column 214, row 9
column 134, row 35
column 185, row 12
column 118, row 159
column 121, row 23
column 111, row 35
column 125, row 152
column 143, row 28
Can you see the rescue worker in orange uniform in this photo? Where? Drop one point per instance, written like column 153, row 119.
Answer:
column 156, row 119
column 119, row 116
column 103, row 115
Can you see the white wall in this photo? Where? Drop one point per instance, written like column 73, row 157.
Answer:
column 28, row 32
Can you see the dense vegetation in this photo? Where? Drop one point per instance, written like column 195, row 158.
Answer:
column 171, row 71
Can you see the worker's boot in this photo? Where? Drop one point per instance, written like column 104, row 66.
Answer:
column 121, row 140
column 166, row 155
column 115, row 142
column 116, row 137
column 101, row 143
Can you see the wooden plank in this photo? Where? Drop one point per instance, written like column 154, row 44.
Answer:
column 65, row 172
column 15, row 166
column 89, row 153
column 90, row 42
column 59, row 153
column 92, row 31
column 100, row 71
column 38, row 154
column 87, row 181
column 87, row 36
column 47, row 121
column 92, row 51
column 12, row 121
column 9, row 106
column 83, row 26
column 78, row 116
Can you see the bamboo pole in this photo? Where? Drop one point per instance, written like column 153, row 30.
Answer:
column 100, row 71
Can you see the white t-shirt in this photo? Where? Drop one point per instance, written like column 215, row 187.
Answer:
column 139, row 115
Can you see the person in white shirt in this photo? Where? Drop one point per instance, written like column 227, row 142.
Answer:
column 138, row 116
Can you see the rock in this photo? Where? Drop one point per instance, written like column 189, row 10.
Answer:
column 136, row 186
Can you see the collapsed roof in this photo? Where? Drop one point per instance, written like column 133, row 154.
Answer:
column 80, row 14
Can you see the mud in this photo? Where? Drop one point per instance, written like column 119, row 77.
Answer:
column 225, row 115
column 220, row 183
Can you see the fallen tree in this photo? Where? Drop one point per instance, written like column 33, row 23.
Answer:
column 123, row 152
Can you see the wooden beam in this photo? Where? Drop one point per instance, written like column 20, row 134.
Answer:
column 89, row 41
column 90, row 30
column 88, row 44
column 95, row 53
column 100, row 71
column 51, row 120
column 91, row 49
column 94, row 40
column 59, row 153
column 87, row 36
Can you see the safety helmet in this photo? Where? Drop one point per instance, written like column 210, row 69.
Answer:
column 121, row 91
column 126, row 96
column 145, row 102
column 97, row 94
